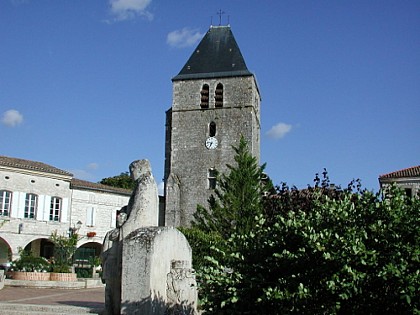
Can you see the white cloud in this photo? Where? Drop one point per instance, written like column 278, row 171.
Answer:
column 12, row 118
column 82, row 174
column 279, row 131
column 87, row 173
column 129, row 9
column 183, row 38
column 93, row 166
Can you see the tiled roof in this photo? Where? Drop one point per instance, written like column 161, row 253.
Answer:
column 42, row 167
column 217, row 55
column 31, row 165
column 407, row 172
column 78, row 183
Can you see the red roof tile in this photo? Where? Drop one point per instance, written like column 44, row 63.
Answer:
column 31, row 165
column 407, row 172
column 75, row 183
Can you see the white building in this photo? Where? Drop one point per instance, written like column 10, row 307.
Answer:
column 407, row 179
column 37, row 199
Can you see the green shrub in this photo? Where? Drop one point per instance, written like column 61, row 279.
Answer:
column 28, row 263
column 84, row 272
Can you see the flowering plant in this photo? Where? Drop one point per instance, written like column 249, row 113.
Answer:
column 28, row 263
column 91, row 234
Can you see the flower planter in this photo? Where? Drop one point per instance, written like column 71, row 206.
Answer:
column 32, row 276
column 91, row 234
column 59, row 276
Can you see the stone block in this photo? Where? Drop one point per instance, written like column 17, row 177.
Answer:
column 157, row 277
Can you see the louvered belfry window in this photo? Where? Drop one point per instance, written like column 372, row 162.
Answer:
column 204, row 96
column 218, row 95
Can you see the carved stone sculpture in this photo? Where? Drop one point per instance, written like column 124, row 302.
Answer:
column 146, row 268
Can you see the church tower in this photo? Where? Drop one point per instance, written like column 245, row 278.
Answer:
column 215, row 101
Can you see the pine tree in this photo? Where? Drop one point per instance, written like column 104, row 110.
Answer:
column 238, row 196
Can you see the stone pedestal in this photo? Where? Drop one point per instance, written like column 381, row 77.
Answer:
column 156, row 273
column 2, row 278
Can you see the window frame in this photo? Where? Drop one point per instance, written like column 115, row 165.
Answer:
column 55, row 212
column 5, row 202
column 31, row 206
column 212, row 129
column 212, row 178
column 205, row 96
column 218, row 95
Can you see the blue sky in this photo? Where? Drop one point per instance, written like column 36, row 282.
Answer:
column 84, row 85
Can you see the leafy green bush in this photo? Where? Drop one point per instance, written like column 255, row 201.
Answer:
column 320, row 250
column 83, row 272
column 349, row 254
column 64, row 249
column 28, row 263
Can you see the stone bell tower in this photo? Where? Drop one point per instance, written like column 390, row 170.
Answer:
column 215, row 101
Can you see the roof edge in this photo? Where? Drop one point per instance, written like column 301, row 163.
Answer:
column 413, row 171
column 212, row 75
column 82, row 184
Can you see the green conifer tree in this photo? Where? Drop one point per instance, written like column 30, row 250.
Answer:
column 237, row 199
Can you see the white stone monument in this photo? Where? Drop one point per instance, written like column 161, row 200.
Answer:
column 147, row 269
column 157, row 277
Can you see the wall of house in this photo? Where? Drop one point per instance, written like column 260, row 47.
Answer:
column 97, row 212
column 94, row 209
column 411, row 185
column 16, row 230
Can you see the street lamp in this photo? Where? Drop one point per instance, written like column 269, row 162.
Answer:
column 73, row 230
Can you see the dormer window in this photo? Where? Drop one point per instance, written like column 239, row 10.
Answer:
column 204, row 96
column 218, row 95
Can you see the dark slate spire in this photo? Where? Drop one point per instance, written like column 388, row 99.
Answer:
column 217, row 55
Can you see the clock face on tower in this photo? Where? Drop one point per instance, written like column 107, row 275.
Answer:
column 211, row 143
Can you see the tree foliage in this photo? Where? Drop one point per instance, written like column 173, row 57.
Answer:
column 237, row 197
column 123, row 180
column 355, row 252
column 64, row 249
column 320, row 250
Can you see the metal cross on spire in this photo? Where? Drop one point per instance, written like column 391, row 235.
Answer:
column 220, row 13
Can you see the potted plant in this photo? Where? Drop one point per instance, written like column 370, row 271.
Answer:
column 29, row 267
column 91, row 234
column 64, row 249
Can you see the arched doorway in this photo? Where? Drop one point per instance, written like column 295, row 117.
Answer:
column 41, row 247
column 86, row 259
column 5, row 254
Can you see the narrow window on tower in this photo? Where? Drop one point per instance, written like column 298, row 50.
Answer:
column 218, row 95
column 212, row 129
column 204, row 96
column 212, row 178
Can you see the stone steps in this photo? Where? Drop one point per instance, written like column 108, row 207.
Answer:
column 31, row 309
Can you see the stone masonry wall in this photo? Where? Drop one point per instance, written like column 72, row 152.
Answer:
column 17, row 231
column 188, row 159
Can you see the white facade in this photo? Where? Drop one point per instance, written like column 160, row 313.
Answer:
column 407, row 179
column 37, row 199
